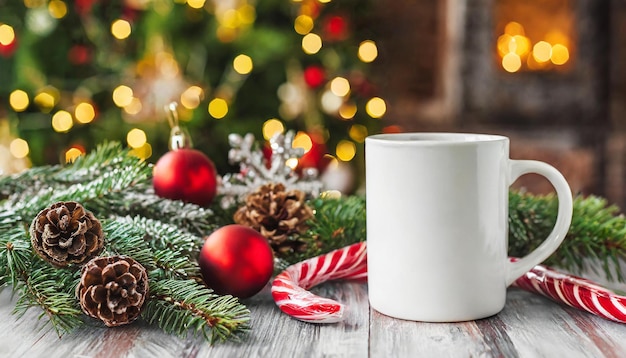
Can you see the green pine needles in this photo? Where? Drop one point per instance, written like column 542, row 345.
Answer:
column 165, row 236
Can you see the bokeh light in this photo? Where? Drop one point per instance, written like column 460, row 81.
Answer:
column 18, row 100
column 243, row 64
column 311, row 43
column 560, row 54
column 136, row 138
column 218, row 108
column 358, row 132
column 62, row 121
column 347, row 110
column 192, row 97
column 511, row 62
column 346, row 150
column 196, row 4
column 302, row 140
column 57, row 9
column 272, row 127
column 19, row 148
column 303, row 24
column 542, row 51
column 340, row 86
column 121, row 29
column 368, row 51
column 122, row 96
column 72, row 154
column 84, row 112
column 7, row 35
column 376, row 107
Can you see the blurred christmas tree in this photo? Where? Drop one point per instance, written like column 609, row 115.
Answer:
column 76, row 73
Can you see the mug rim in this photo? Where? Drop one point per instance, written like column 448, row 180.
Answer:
column 434, row 138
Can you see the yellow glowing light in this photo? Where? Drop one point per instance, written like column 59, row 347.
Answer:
column 303, row 24
column 358, row 132
column 246, row 14
column 368, row 51
column 346, row 150
column 134, row 106
column 62, row 121
column 120, row 29
column 84, row 112
column 143, row 152
column 376, row 107
column 522, row 45
column 7, row 35
column 122, row 96
column 271, row 127
column 243, row 64
column 557, row 37
column 560, row 54
column 503, row 44
column 32, row 4
column 218, row 108
column 19, row 148
column 196, row 4
column 292, row 163
column 191, row 97
column 347, row 110
column 18, row 100
column 302, row 140
column 72, row 154
column 47, row 98
column 324, row 1
column 230, row 19
column 311, row 43
column 340, row 86
column 542, row 51
column 57, row 9
column 514, row 28
column 511, row 62
column 136, row 138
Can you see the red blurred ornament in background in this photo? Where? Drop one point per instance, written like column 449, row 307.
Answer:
column 335, row 28
column 183, row 173
column 6, row 50
column 316, row 156
column 236, row 260
column 314, row 76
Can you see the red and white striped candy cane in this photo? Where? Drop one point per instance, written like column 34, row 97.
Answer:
column 574, row 291
column 289, row 288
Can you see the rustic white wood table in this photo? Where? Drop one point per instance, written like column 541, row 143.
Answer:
column 529, row 326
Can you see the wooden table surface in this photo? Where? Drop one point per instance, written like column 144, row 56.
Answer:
column 529, row 326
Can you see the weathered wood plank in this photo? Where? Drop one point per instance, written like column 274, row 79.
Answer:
column 529, row 326
column 273, row 334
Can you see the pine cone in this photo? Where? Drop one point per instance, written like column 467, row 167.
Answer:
column 278, row 215
column 66, row 233
column 113, row 289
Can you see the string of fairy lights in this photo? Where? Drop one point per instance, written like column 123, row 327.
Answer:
column 335, row 97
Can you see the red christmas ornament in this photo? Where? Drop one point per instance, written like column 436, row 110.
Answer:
column 8, row 49
column 314, row 157
column 314, row 76
column 183, row 173
column 335, row 28
column 79, row 55
column 236, row 260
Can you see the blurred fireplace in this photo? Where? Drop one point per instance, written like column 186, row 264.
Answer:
column 548, row 73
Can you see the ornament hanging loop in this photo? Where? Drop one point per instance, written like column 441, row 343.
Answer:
column 179, row 138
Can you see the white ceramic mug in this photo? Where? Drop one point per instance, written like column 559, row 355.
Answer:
column 437, row 224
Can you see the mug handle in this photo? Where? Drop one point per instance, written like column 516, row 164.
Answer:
column 563, row 220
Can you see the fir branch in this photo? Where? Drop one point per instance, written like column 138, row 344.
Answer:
column 15, row 256
column 183, row 306
column 52, row 290
column 123, row 238
column 598, row 231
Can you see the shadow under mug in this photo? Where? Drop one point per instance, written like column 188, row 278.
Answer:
column 437, row 224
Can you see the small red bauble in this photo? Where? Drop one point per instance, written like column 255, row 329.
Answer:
column 236, row 260
column 187, row 175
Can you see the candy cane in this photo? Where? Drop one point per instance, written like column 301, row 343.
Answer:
column 289, row 288
column 574, row 291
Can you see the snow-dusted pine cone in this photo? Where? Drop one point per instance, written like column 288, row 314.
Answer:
column 113, row 289
column 277, row 214
column 66, row 233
